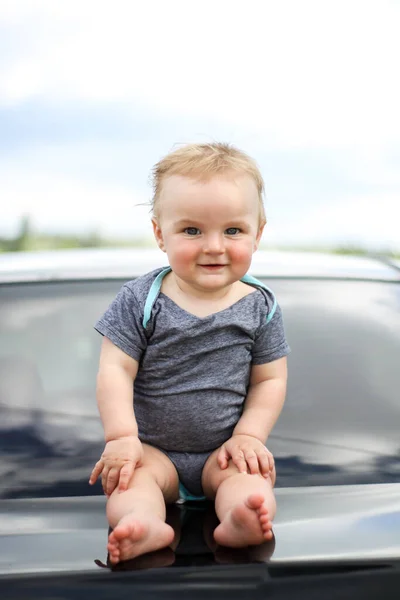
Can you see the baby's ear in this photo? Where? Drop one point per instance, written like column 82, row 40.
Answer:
column 259, row 235
column 158, row 234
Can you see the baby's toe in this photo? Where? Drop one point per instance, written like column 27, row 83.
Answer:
column 255, row 502
column 268, row 535
column 114, row 559
column 263, row 510
column 112, row 543
column 266, row 526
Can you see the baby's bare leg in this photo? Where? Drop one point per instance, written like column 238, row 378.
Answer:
column 137, row 516
column 245, row 504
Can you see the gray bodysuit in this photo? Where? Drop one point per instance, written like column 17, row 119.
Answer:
column 193, row 372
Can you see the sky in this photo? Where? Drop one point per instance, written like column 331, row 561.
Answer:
column 94, row 93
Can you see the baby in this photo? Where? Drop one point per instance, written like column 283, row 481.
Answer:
column 192, row 374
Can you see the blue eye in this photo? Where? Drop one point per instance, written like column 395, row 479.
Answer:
column 191, row 231
column 232, row 230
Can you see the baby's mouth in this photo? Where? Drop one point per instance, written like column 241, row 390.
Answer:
column 213, row 266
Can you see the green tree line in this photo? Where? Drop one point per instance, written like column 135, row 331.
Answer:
column 27, row 239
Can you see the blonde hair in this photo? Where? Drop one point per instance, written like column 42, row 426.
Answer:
column 203, row 161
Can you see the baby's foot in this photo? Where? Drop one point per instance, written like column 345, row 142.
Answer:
column 246, row 524
column 151, row 560
column 135, row 535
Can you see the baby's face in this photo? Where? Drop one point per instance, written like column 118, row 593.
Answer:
column 209, row 229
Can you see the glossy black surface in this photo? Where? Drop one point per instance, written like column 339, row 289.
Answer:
column 340, row 426
column 355, row 582
column 340, row 423
column 326, row 524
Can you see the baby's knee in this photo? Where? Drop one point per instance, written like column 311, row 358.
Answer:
column 214, row 476
column 157, row 465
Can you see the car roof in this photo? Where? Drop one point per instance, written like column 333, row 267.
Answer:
column 116, row 263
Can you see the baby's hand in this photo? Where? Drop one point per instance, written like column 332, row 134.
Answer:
column 248, row 454
column 117, row 463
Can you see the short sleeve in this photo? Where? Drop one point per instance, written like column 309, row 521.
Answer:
column 270, row 343
column 121, row 323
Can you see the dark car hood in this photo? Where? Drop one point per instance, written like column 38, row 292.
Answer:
column 312, row 524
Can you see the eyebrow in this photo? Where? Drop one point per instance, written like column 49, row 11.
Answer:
column 183, row 221
column 231, row 222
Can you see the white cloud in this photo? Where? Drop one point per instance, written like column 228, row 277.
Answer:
column 302, row 73
column 370, row 220
column 62, row 204
column 278, row 74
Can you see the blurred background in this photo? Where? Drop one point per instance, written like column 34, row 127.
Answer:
column 94, row 93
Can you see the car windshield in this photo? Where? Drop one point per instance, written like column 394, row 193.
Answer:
column 339, row 424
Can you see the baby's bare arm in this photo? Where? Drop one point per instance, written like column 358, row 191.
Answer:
column 262, row 408
column 123, row 450
column 264, row 400
column 117, row 372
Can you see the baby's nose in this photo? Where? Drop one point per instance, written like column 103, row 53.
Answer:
column 214, row 244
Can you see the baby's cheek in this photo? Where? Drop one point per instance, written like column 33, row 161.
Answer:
column 186, row 254
column 241, row 253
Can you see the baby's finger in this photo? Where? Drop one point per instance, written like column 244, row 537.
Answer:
column 222, row 458
column 271, row 462
column 104, row 477
column 252, row 461
column 239, row 460
column 125, row 476
column 112, row 480
column 97, row 470
column 263, row 459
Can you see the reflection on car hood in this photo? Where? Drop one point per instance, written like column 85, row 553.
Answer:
column 316, row 523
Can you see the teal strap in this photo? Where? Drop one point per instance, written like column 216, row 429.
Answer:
column 186, row 496
column 255, row 283
column 152, row 295
column 156, row 286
